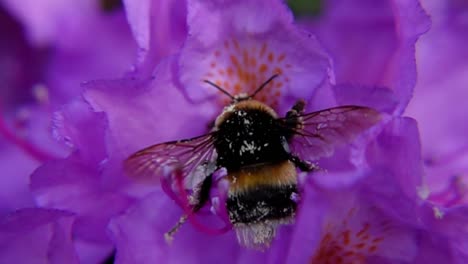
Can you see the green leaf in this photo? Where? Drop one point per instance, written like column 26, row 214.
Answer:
column 305, row 7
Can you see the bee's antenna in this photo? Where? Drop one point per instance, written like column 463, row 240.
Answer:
column 263, row 85
column 219, row 88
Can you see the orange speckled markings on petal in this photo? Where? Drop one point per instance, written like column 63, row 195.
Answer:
column 350, row 245
column 242, row 66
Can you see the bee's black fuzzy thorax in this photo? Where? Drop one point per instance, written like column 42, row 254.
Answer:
column 248, row 136
column 262, row 203
column 252, row 147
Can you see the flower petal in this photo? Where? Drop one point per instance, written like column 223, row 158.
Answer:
column 379, row 98
column 373, row 43
column 400, row 141
column 243, row 49
column 349, row 228
column 159, row 28
column 143, row 112
column 37, row 236
column 139, row 236
column 79, row 127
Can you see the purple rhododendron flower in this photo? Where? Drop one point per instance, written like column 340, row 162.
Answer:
column 243, row 49
column 47, row 50
column 37, row 236
column 372, row 46
column 386, row 197
column 159, row 28
column 15, row 55
column 96, row 40
column 443, row 125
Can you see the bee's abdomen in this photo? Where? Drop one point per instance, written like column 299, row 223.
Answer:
column 262, row 192
column 262, row 203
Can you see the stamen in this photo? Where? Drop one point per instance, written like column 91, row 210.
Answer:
column 218, row 202
column 453, row 194
column 457, row 189
column 166, row 186
column 189, row 214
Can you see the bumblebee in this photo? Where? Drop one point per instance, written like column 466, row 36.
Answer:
column 261, row 152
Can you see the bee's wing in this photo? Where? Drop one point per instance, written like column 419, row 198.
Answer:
column 318, row 133
column 148, row 164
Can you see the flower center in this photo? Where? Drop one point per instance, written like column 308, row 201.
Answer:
column 242, row 66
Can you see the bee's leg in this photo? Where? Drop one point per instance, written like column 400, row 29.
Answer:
column 299, row 106
column 197, row 201
column 293, row 120
column 297, row 109
column 302, row 164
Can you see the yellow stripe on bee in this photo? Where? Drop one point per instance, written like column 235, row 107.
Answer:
column 274, row 174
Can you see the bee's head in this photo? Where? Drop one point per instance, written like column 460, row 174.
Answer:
column 242, row 96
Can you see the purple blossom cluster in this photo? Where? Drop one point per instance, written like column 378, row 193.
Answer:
column 85, row 84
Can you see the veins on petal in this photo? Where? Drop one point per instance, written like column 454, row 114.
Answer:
column 241, row 66
column 350, row 241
